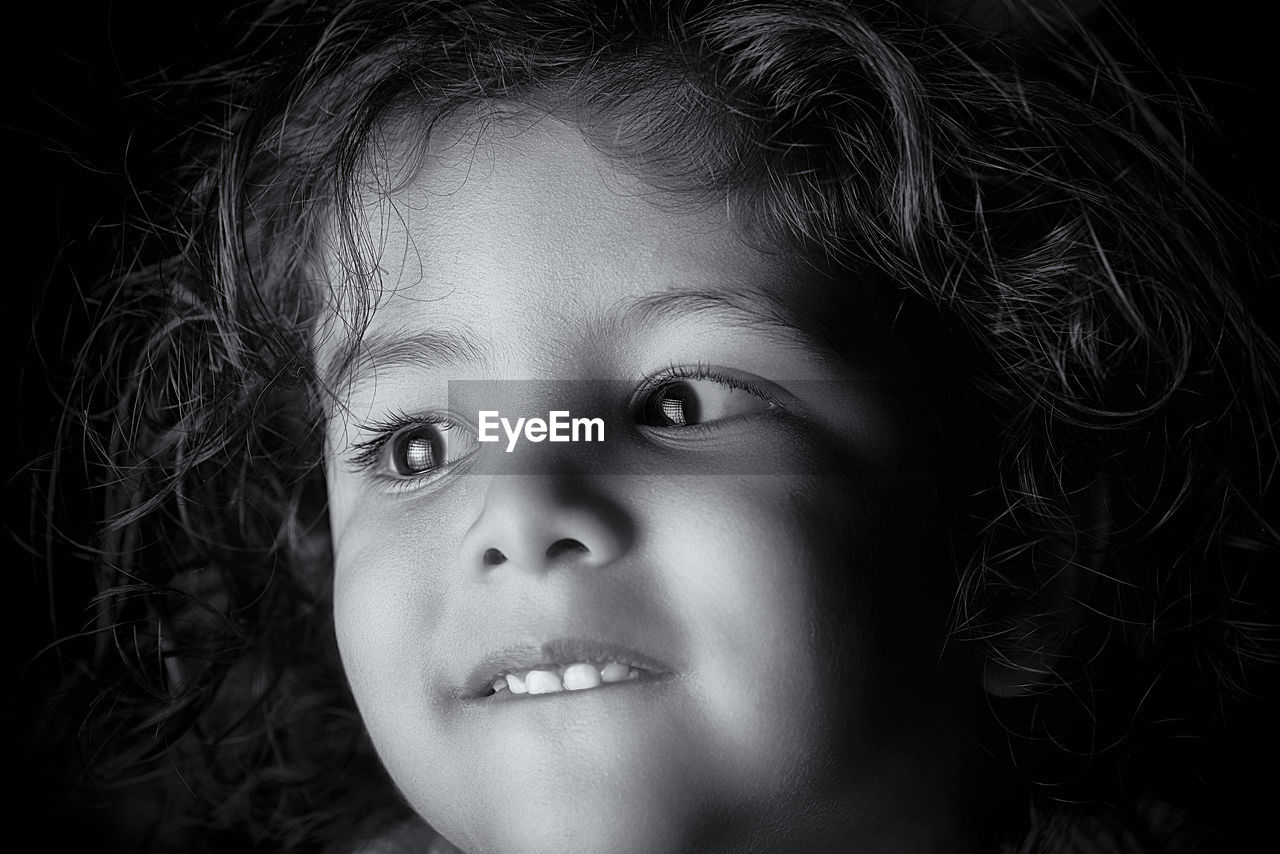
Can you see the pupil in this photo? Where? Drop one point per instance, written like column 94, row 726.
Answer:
column 673, row 409
column 679, row 405
column 418, row 455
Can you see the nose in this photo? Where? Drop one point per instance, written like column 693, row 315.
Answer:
column 536, row 523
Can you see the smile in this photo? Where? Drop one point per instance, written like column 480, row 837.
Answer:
column 579, row 676
column 562, row 665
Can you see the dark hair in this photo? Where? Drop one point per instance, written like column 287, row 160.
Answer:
column 1084, row 305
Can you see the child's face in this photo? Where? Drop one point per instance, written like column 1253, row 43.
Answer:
column 759, row 577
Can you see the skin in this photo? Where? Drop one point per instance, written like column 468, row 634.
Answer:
column 776, row 562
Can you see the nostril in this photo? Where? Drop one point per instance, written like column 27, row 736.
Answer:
column 566, row 548
column 493, row 557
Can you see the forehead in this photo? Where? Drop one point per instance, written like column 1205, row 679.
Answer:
column 509, row 227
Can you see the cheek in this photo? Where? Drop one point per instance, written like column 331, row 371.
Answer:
column 765, row 574
column 393, row 603
column 378, row 612
column 374, row 602
column 387, row 611
column 394, row 558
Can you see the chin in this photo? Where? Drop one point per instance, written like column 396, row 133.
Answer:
column 579, row 822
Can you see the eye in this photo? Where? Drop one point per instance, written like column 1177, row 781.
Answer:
column 407, row 448
column 417, row 450
column 702, row 398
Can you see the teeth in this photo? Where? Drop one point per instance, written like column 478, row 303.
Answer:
column 614, row 672
column 578, row 676
column 543, row 682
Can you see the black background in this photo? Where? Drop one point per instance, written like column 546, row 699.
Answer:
column 84, row 108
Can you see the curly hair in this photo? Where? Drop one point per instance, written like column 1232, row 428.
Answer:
column 1085, row 306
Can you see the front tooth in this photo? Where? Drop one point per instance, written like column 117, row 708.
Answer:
column 542, row 682
column 516, row 684
column 580, row 676
column 614, row 672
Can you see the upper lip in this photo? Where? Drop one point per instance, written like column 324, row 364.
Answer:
column 553, row 653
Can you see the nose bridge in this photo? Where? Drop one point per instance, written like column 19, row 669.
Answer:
column 537, row 522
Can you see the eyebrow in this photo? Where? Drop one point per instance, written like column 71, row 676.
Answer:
column 350, row 365
column 747, row 309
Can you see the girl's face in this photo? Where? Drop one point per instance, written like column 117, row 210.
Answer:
column 717, row 629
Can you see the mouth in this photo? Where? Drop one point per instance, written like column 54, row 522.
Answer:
column 561, row 666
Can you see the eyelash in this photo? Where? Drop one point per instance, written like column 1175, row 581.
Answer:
column 701, row 371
